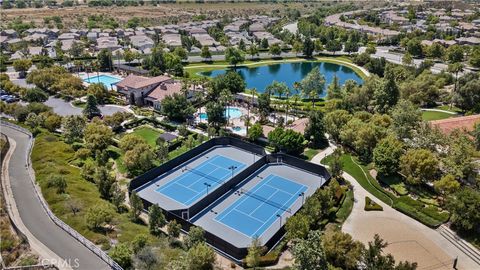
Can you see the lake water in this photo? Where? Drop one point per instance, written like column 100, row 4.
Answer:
column 260, row 77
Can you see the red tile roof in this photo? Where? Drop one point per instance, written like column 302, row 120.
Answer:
column 163, row 90
column 464, row 123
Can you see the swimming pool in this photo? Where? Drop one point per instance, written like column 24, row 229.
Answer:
column 229, row 113
column 106, row 80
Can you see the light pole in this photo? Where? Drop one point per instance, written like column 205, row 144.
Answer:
column 303, row 197
column 232, row 168
column 207, row 185
column 280, row 218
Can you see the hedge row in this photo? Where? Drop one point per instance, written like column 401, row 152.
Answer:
column 370, row 205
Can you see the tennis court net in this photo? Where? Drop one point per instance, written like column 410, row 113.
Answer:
column 262, row 199
column 204, row 175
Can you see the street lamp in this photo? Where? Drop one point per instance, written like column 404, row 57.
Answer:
column 232, row 168
column 280, row 217
column 207, row 185
column 303, row 197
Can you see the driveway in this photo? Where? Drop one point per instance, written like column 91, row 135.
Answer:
column 408, row 239
column 64, row 108
column 33, row 215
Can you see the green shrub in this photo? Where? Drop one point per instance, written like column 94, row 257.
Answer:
column 370, row 205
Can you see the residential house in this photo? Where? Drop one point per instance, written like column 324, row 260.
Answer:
column 137, row 88
column 109, row 43
column 141, row 42
column 172, row 40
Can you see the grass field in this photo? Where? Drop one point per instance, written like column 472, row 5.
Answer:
column 309, row 153
column 434, row 115
column 149, row 134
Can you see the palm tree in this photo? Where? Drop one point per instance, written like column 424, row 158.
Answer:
column 77, row 64
column 226, row 97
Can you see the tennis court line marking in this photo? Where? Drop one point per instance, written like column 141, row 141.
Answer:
column 270, row 178
column 198, row 194
column 282, row 213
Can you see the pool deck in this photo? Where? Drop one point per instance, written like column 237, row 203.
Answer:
column 149, row 190
column 207, row 219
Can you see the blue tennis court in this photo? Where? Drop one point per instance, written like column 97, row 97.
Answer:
column 194, row 182
column 257, row 209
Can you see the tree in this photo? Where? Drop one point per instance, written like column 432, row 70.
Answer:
column 336, row 164
column 22, row 66
column 122, row 254
column 419, row 166
column 313, row 84
column 146, row 259
column 52, row 121
column 115, row 120
column 255, row 251
column 104, row 58
column 216, row 114
column 253, row 50
column 315, row 129
column 139, row 159
column 206, row 54
column 334, row 122
column 156, row 219
column 58, row 182
column 340, row 249
column 173, row 228
column 446, row 185
column 264, row 106
column 406, row 118
column 464, row 205
column 196, row 236
column 97, row 136
column 255, row 132
column 309, row 253
column 35, row 95
column 387, row 96
column 136, row 205
column 414, row 47
column 386, row 155
column 117, row 196
column 476, row 134
column 475, row 57
column 297, row 227
column 275, row 50
column 234, row 56
column 333, row 46
column 97, row 216
column 297, row 47
column 181, row 52
column 455, row 54
column 334, row 91
column 308, row 47
column 436, row 51
column 287, row 140
column 373, row 257
column 176, row 107
column 350, row 46
column 201, row 257
column 467, row 97
column 99, row 91
column 231, row 81
column 407, row 59
column 91, row 110
column 104, row 182
column 371, row 49
column 73, row 128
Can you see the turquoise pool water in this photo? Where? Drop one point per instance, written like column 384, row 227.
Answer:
column 108, row 81
column 229, row 113
column 260, row 77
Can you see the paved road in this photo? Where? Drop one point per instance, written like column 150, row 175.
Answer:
column 35, row 218
column 408, row 239
column 64, row 108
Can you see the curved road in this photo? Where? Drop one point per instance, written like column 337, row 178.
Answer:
column 33, row 215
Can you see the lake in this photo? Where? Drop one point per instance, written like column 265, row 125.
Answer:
column 261, row 76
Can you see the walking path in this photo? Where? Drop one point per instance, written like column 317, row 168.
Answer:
column 54, row 245
column 439, row 110
column 408, row 239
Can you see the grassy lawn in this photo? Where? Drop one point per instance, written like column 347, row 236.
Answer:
column 148, row 133
column 433, row 115
column 309, row 153
column 395, row 183
column 450, row 109
column 52, row 156
column 429, row 215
